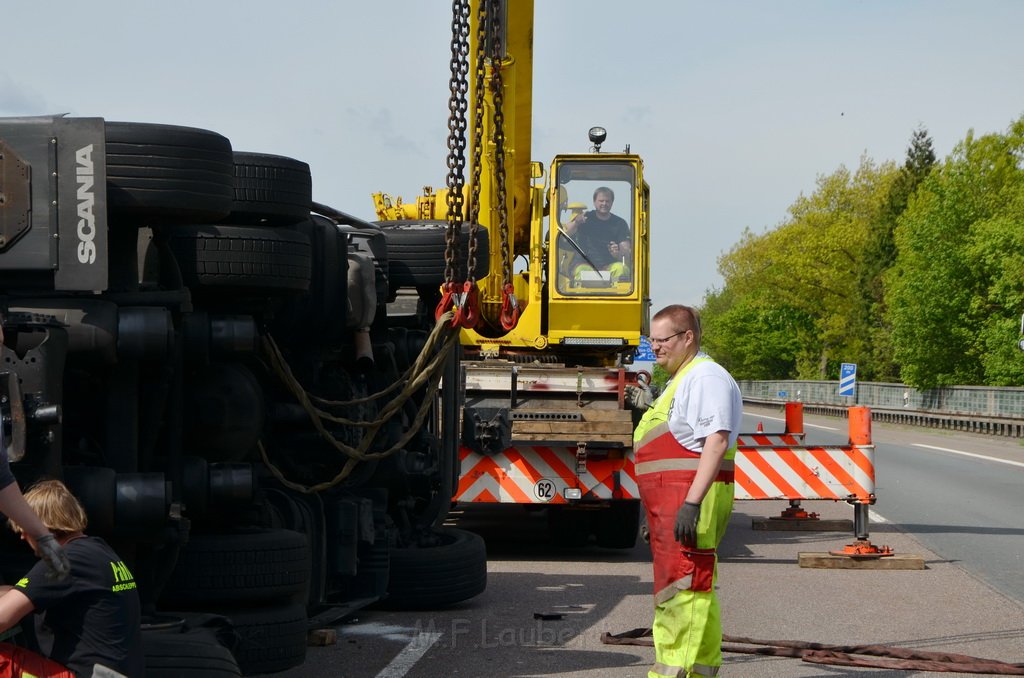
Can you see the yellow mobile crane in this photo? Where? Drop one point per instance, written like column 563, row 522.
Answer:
column 552, row 298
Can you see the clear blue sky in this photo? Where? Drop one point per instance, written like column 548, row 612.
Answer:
column 736, row 106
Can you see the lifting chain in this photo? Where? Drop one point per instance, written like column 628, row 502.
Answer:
column 464, row 302
column 457, row 105
column 483, row 16
column 509, row 304
column 488, row 45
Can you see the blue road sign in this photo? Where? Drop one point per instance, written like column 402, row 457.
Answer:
column 644, row 352
column 847, row 379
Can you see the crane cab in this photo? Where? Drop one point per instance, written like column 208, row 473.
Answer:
column 597, row 259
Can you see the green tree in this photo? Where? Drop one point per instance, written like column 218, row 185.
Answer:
column 880, row 256
column 789, row 307
column 752, row 337
column 996, row 255
column 957, row 288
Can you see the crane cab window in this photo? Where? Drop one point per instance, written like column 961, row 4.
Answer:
column 595, row 228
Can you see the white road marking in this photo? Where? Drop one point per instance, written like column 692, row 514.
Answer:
column 875, row 518
column 970, row 454
column 827, row 428
column 412, row 653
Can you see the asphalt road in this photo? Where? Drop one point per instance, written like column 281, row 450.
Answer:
column 968, row 600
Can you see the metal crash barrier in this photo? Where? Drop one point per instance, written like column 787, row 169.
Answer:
column 991, row 410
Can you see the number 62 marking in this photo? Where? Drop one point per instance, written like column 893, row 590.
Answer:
column 544, row 489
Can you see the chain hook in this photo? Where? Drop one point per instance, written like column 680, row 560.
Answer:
column 467, row 311
column 447, row 300
column 466, row 304
column 509, row 307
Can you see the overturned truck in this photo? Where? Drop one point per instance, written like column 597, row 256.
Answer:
column 204, row 356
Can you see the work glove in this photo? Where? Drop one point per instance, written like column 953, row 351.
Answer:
column 686, row 524
column 638, row 397
column 54, row 556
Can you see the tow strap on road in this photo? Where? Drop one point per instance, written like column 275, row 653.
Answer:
column 889, row 657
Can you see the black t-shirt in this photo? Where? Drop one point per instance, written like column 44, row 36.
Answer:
column 93, row 616
column 593, row 236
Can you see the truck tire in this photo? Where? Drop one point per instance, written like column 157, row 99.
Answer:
column 438, row 576
column 416, row 252
column 170, row 654
column 618, row 525
column 163, row 174
column 270, row 639
column 270, row 189
column 250, row 257
column 250, row 565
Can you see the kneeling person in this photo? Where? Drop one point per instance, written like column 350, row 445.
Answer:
column 91, row 621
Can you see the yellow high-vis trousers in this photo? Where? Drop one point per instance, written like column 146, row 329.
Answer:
column 687, row 627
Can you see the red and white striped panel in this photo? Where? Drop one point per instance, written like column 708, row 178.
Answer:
column 540, row 475
column 755, row 439
column 766, row 470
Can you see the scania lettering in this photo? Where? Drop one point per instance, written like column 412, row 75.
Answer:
column 86, row 200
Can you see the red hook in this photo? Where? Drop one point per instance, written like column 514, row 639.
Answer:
column 447, row 294
column 465, row 303
column 467, row 306
column 509, row 307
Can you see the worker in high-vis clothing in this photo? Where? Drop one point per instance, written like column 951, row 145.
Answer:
column 685, row 444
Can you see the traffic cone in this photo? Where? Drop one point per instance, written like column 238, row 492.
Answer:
column 760, row 427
